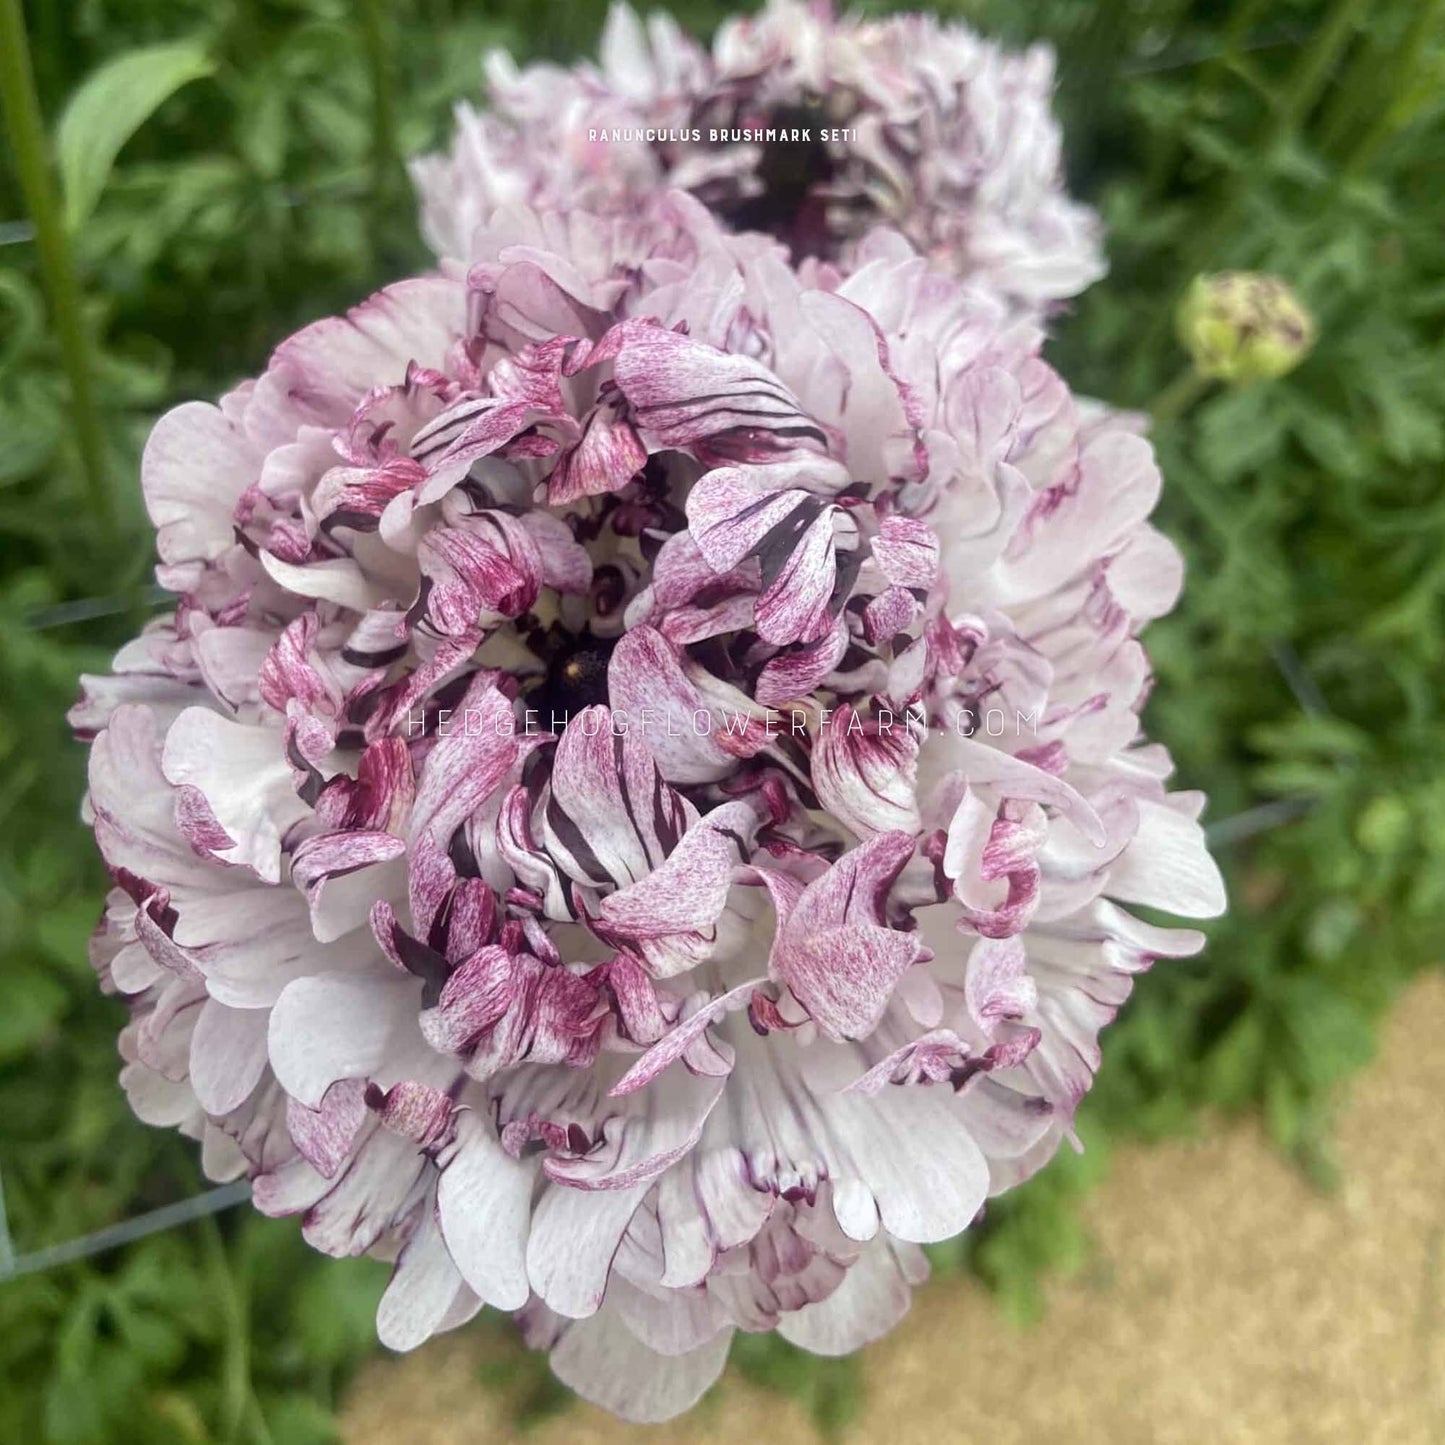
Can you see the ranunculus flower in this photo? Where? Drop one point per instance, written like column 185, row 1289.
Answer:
column 635, row 813
column 797, row 123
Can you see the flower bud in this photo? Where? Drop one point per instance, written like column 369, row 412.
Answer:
column 1241, row 326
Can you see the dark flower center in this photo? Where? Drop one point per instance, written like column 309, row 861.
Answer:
column 792, row 174
column 576, row 679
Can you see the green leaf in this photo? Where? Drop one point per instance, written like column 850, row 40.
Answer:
column 1311, row 736
column 110, row 106
column 34, row 1003
column 1239, row 431
column 296, row 1420
column 64, row 930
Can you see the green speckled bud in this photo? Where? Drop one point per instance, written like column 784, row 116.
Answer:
column 1241, row 326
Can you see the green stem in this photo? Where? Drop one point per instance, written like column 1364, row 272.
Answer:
column 239, row 1406
column 383, row 111
column 1202, row 103
column 1402, row 68
column 1356, row 97
column 1236, row 37
column 1092, row 70
column 1178, row 396
column 1306, row 82
column 1313, row 72
column 57, row 267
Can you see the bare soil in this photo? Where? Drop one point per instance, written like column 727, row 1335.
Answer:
column 1228, row 1301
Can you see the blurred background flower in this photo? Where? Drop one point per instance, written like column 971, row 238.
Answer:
column 910, row 122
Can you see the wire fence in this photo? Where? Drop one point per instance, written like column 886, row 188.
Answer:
column 1226, row 833
column 115, row 1236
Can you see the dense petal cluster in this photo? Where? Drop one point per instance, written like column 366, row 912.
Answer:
column 808, row 127
column 634, row 814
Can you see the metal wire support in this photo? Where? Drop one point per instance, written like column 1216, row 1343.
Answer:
column 114, row 1236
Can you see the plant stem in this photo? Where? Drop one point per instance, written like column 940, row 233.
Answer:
column 1306, row 82
column 1402, row 68
column 1178, row 396
column 239, row 1406
column 383, row 111
column 1313, row 72
column 1356, row 96
column 57, row 267
column 1092, row 70
column 1203, row 101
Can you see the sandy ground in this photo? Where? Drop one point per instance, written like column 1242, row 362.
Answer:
column 1228, row 1302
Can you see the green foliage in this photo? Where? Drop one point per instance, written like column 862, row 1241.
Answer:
column 1304, row 661
column 531, row 1392
column 138, row 1345
column 828, row 1388
column 209, row 219
column 109, row 108
column 1030, row 1233
column 232, row 170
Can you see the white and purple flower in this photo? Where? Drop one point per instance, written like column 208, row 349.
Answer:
column 635, row 813
column 798, row 123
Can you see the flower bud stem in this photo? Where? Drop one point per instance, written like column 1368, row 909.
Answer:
column 1181, row 394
